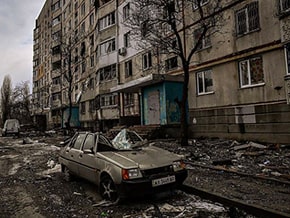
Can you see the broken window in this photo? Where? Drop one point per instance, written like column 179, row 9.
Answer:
column 83, row 107
column 284, row 5
column 107, row 73
column 56, row 50
column 128, row 99
column 144, row 28
column 287, row 55
column 107, row 21
column 126, row 11
column 204, row 82
column 109, row 100
column 107, row 47
column 251, row 72
column 199, row 2
column 171, row 63
column 92, row 19
column 247, row 19
column 147, row 60
column 204, row 39
column 92, row 105
column 128, row 68
column 127, row 39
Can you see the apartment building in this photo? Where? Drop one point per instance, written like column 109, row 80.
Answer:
column 239, row 80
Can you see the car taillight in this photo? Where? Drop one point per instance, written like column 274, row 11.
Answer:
column 178, row 165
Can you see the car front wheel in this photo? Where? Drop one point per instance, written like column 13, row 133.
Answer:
column 108, row 189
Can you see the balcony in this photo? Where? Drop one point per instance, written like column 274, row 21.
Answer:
column 56, row 103
column 55, row 88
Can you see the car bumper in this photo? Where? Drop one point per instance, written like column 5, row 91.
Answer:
column 142, row 187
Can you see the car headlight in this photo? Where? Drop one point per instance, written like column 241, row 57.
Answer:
column 131, row 173
column 178, row 165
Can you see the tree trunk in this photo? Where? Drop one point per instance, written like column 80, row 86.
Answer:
column 183, row 121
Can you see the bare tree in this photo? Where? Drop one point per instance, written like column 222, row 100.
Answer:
column 20, row 105
column 6, row 92
column 71, row 56
column 166, row 26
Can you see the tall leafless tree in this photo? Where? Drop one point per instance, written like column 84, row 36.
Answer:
column 165, row 25
column 20, row 105
column 6, row 92
column 69, row 44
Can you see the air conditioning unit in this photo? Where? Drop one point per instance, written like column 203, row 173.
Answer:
column 122, row 51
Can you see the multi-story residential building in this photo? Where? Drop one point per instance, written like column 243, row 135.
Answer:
column 239, row 79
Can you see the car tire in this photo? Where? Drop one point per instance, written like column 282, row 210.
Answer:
column 108, row 189
column 66, row 173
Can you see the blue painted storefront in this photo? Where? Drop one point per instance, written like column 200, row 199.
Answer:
column 168, row 93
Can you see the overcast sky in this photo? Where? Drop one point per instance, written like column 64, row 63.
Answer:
column 17, row 21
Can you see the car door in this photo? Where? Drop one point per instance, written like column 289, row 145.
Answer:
column 73, row 153
column 87, row 168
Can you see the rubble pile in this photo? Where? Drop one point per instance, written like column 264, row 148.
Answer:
column 270, row 160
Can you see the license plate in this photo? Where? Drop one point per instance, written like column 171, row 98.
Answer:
column 163, row 181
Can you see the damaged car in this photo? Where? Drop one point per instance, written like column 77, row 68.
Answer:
column 131, row 170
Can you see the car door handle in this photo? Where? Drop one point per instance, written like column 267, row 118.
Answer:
column 81, row 155
column 72, row 156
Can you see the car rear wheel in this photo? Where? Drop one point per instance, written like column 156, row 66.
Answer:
column 67, row 174
column 108, row 189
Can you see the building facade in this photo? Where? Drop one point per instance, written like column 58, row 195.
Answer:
column 239, row 81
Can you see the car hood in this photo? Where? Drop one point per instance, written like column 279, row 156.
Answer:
column 144, row 158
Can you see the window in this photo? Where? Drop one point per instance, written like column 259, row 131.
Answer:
column 287, row 55
column 171, row 63
column 127, row 39
column 126, row 11
column 56, row 21
column 109, row 100
column 83, row 9
column 284, row 5
column 107, row 21
column 55, row 6
column 107, row 47
column 78, row 141
column 147, row 61
column 89, row 142
column 56, row 50
column 205, row 40
column 92, row 19
column 128, row 99
column 83, row 66
column 92, row 105
column 92, row 60
column 128, row 68
column 204, row 82
column 107, row 73
column 83, row 107
column 247, row 19
column 56, row 65
column 144, row 28
column 83, row 28
column 251, row 72
column 202, row 3
column 92, row 41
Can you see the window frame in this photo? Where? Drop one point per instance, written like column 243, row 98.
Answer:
column 287, row 58
column 128, row 68
column 250, row 25
column 204, row 88
column 249, row 73
column 126, row 11
column 107, row 47
column 281, row 3
column 107, row 21
column 169, row 62
column 195, row 5
column 148, row 57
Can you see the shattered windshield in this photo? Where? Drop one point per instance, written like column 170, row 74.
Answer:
column 127, row 140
